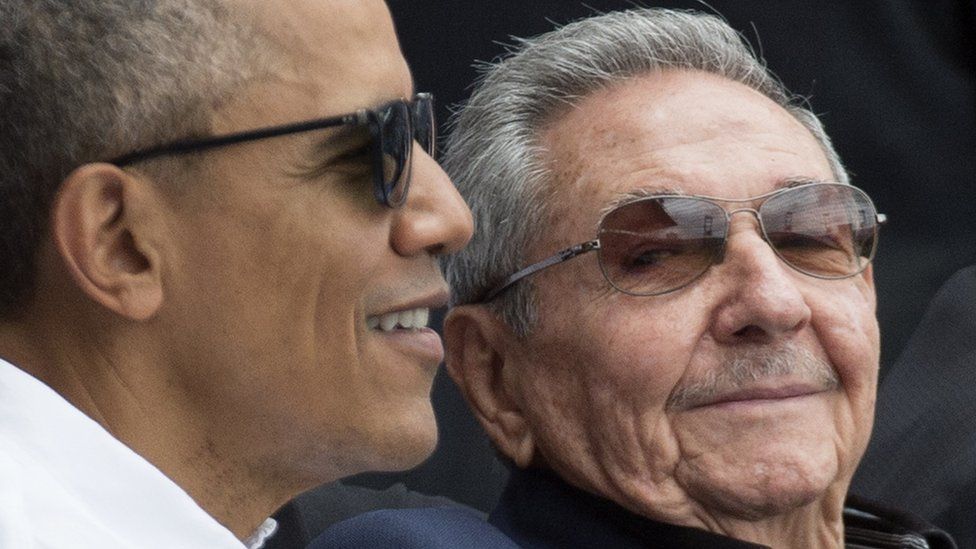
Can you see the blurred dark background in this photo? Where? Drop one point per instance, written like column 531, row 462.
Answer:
column 893, row 81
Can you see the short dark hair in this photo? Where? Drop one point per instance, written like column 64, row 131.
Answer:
column 84, row 80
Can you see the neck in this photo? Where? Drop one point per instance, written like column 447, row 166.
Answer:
column 116, row 377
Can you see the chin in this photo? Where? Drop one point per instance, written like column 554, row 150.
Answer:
column 766, row 487
column 752, row 505
column 406, row 443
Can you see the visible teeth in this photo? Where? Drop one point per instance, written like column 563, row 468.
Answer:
column 389, row 321
column 409, row 319
column 406, row 318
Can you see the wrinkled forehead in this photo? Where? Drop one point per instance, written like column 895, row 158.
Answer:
column 675, row 132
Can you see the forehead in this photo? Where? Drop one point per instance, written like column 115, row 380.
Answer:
column 677, row 131
column 327, row 57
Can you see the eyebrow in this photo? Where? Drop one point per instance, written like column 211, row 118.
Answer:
column 658, row 190
column 799, row 180
column 335, row 143
column 640, row 193
column 329, row 147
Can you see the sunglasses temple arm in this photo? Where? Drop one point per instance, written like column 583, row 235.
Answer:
column 558, row 257
column 184, row 146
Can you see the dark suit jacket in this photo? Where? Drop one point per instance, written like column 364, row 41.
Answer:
column 922, row 455
column 540, row 511
column 435, row 528
column 309, row 514
column 537, row 511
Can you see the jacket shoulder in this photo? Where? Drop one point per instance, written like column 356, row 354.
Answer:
column 414, row 528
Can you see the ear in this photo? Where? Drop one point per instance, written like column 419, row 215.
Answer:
column 481, row 361
column 100, row 221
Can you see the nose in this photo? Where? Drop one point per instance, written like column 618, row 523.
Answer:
column 434, row 218
column 761, row 300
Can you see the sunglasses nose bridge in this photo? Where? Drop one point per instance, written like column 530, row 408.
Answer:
column 753, row 211
column 761, row 229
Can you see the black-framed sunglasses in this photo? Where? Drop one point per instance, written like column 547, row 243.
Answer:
column 658, row 244
column 393, row 127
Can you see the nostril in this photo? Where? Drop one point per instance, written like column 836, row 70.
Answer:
column 750, row 332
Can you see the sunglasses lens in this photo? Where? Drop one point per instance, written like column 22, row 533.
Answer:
column 400, row 124
column 395, row 142
column 424, row 126
column 657, row 245
column 827, row 230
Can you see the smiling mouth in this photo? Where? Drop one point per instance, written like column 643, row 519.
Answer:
column 760, row 395
column 409, row 319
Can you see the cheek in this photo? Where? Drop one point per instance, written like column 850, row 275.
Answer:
column 618, row 349
column 846, row 325
column 597, row 392
column 647, row 346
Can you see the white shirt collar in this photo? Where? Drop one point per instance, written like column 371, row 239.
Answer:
column 262, row 534
column 66, row 481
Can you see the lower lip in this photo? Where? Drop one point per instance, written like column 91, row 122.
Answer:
column 422, row 343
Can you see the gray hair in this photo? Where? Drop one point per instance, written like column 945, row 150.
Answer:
column 493, row 153
column 86, row 80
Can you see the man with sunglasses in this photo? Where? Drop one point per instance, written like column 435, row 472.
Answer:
column 219, row 227
column 665, row 321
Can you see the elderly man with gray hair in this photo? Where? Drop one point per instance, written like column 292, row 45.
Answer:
column 666, row 319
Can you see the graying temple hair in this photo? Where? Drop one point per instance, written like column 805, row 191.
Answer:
column 85, row 80
column 495, row 159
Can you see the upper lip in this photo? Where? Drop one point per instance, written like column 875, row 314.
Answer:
column 433, row 300
column 762, row 393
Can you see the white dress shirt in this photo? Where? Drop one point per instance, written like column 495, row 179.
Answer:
column 66, row 482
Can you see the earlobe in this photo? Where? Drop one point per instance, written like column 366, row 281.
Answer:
column 99, row 225
column 479, row 359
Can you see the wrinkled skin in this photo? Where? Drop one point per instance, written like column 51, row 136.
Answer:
column 587, row 392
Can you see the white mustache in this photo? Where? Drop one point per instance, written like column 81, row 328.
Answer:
column 748, row 367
